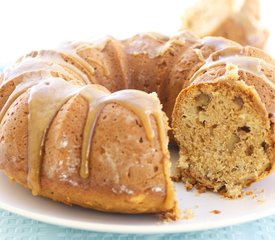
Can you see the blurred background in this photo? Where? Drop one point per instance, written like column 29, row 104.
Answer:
column 29, row 24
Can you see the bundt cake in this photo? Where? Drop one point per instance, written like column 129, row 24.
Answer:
column 71, row 132
column 238, row 20
column 224, row 122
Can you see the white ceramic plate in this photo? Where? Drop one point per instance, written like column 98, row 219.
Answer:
column 16, row 199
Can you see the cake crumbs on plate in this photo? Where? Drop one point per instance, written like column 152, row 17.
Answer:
column 257, row 194
column 260, row 200
column 261, row 190
column 188, row 214
column 200, row 188
column 215, row 211
column 249, row 193
column 188, row 186
column 197, row 194
column 170, row 216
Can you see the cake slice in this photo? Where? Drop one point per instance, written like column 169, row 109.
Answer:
column 223, row 125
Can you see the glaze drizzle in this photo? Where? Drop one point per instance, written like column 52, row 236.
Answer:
column 47, row 77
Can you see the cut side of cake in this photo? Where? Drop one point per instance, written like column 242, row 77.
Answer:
column 224, row 133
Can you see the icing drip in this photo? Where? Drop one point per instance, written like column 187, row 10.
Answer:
column 78, row 64
column 245, row 63
column 49, row 61
column 43, row 88
column 85, row 66
column 219, row 43
column 92, row 61
column 91, row 94
column 41, row 74
column 98, row 44
column 133, row 100
column 54, row 92
column 146, row 44
column 31, row 65
column 232, row 59
column 21, row 86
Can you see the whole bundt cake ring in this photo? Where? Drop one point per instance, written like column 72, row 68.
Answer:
column 65, row 136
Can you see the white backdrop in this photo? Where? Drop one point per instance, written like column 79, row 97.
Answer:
column 28, row 24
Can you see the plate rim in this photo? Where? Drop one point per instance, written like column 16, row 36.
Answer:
column 162, row 228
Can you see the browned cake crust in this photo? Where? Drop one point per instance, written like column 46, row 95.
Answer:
column 238, row 20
